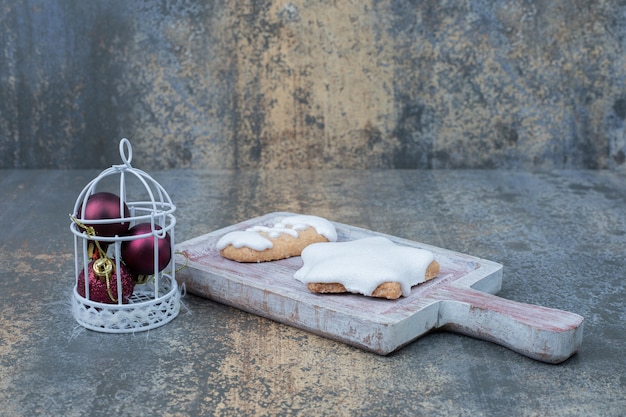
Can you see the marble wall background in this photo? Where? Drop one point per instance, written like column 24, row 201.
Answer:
column 520, row 84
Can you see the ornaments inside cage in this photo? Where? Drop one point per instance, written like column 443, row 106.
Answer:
column 123, row 227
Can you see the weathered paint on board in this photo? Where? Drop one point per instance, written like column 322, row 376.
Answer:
column 458, row 300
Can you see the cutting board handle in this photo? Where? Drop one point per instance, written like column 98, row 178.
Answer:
column 541, row 333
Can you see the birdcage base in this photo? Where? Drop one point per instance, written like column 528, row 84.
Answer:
column 143, row 311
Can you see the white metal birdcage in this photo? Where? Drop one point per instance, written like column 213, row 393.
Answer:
column 155, row 298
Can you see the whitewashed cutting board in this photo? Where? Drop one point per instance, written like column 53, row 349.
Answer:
column 459, row 300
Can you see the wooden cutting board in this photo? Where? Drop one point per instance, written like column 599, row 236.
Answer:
column 459, row 300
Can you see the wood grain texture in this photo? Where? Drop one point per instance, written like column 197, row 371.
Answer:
column 457, row 300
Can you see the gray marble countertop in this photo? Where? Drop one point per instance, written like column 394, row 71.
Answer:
column 561, row 237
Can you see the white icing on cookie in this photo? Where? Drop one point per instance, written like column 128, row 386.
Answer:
column 362, row 265
column 301, row 222
column 275, row 231
column 251, row 238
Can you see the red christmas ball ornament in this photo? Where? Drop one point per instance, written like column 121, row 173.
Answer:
column 138, row 254
column 101, row 291
column 105, row 206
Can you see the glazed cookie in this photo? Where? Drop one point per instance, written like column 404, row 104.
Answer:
column 374, row 267
column 284, row 239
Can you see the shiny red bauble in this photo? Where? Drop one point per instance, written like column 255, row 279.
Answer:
column 138, row 254
column 98, row 290
column 105, row 206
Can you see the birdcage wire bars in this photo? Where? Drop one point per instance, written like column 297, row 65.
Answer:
column 155, row 299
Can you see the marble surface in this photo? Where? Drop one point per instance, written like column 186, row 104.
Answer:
column 561, row 236
column 314, row 84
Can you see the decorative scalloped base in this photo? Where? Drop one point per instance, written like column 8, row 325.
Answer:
column 144, row 311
